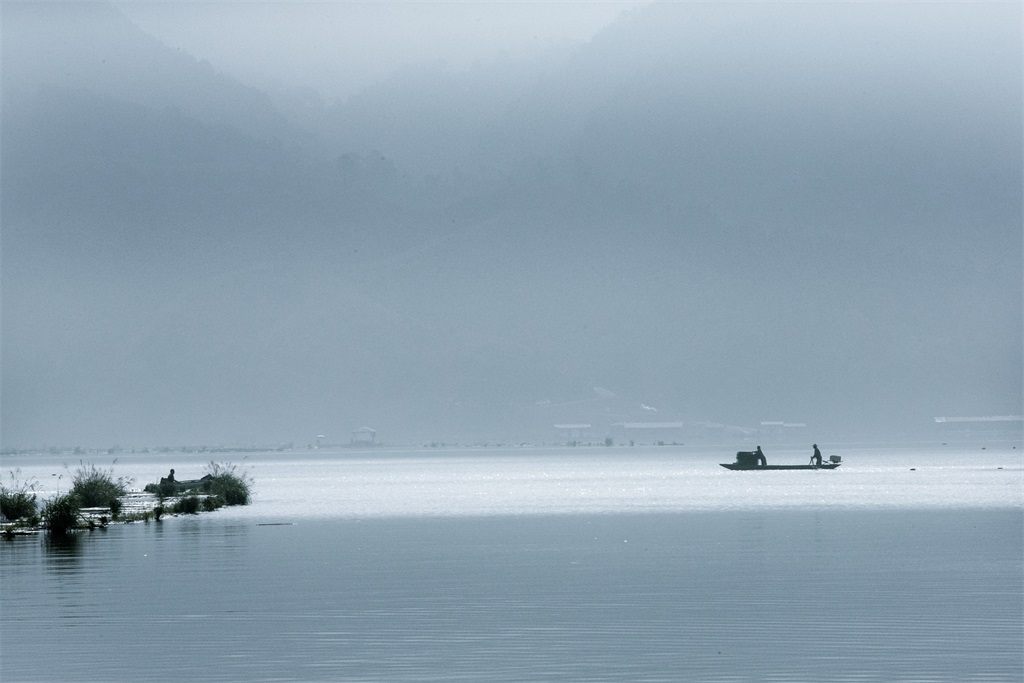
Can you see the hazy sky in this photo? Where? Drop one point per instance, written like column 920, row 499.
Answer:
column 516, row 215
column 339, row 47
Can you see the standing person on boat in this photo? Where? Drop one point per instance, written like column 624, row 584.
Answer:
column 761, row 460
column 816, row 458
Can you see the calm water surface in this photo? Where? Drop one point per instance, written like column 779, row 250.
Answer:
column 629, row 564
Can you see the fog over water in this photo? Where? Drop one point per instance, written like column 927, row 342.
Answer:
column 262, row 222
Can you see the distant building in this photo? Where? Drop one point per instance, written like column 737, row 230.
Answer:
column 364, row 436
column 650, row 432
column 781, row 432
column 574, row 431
column 990, row 427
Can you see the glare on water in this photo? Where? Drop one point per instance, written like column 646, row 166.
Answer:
column 401, row 482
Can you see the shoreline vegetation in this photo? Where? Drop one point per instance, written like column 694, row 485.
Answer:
column 98, row 498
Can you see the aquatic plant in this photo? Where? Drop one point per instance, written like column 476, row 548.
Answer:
column 229, row 482
column 17, row 500
column 211, row 503
column 96, row 487
column 188, row 505
column 60, row 514
column 165, row 489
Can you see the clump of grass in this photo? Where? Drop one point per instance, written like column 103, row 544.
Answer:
column 159, row 491
column 188, row 505
column 229, row 482
column 18, row 500
column 97, row 487
column 60, row 514
column 167, row 488
column 211, row 503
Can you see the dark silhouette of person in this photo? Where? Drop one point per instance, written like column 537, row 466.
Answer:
column 816, row 458
column 168, row 487
column 761, row 460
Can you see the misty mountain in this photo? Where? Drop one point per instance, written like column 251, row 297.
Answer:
column 694, row 103
column 91, row 46
column 771, row 151
column 735, row 217
column 165, row 186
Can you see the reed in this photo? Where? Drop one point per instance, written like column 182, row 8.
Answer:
column 61, row 514
column 188, row 505
column 230, row 483
column 18, row 499
column 211, row 503
column 97, row 487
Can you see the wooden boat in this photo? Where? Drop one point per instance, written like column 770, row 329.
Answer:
column 738, row 466
column 755, row 460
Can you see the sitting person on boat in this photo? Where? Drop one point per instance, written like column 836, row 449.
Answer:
column 761, row 460
column 816, row 458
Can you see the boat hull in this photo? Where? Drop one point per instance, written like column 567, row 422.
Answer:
column 737, row 466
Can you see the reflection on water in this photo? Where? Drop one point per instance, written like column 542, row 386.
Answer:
column 756, row 595
column 62, row 550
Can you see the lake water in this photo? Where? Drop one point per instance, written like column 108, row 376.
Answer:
column 639, row 564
